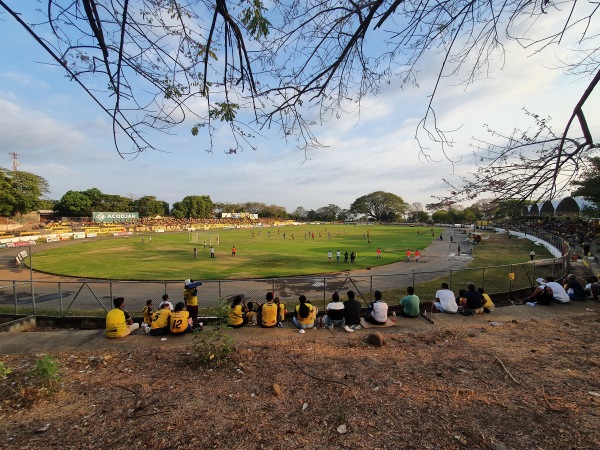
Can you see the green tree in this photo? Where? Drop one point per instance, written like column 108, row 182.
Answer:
column 27, row 190
column 74, row 204
column 7, row 199
column 379, row 205
column 194, row 207
column 441, row 216
column 328, row 213
column 588, row 186
column 421, row 216
column 149, row 206
column 111, row 202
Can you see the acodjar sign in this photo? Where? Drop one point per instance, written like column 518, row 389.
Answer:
column 115, row 217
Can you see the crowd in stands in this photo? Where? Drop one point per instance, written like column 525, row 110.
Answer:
column 168, row 223
column 347, row 315
column 581, row 234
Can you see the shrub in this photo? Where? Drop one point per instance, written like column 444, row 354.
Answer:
column 212, row 348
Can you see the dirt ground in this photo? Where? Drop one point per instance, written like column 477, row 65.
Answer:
column 523, row 385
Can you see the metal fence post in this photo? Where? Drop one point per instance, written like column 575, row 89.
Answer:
column 110, row 293
column 60, row 299
column 483, row 278
column 450, row 281
column 220, row 290
column 324, row 292
column 413, row 279
column 15, row 296
column 31, row 282
column 371, row 288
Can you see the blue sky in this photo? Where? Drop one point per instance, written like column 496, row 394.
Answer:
column 63, row 136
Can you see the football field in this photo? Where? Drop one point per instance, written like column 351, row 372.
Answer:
column 260, row 252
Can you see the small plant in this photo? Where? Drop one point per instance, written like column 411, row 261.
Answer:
column 212, row 348
column 4, row 371
column 47, row 370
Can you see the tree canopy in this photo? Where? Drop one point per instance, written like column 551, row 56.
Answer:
column 588, row 186
column 247, row 66
column 20, row 192
column 380, row 206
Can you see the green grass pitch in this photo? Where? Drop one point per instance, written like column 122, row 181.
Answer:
column 169, row 256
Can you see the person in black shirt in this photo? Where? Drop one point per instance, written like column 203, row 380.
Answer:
column 352, row 312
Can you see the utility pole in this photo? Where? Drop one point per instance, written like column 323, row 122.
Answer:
column 15, row 161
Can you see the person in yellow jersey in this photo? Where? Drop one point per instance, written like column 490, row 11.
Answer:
column 160, row 321
column 237, row 313
column 118, row 321
column 281, row 311
column 269, row 311
column 148, row 312
column 489, row 304
column 181, row 322
column 306, row 314
column 190, row 295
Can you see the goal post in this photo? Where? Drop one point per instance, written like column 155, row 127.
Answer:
column 204, row 238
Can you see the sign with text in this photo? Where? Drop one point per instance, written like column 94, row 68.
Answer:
column 115, row 217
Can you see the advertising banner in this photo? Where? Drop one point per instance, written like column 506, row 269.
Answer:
column 115, row 217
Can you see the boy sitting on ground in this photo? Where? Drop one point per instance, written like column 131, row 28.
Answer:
column 410, row 304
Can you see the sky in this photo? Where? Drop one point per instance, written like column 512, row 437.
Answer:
column 61, row 135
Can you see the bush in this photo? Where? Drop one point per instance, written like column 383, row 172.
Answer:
column 46, row 370
column 212, row 348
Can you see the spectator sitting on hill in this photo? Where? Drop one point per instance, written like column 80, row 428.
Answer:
column 334, row 312
column 305, row 314
column 575, row 291
column 118, row 321
column 160, row 320
column 281, row 311
column 488, row 304
column 251, row 312
column 542, row 294
column 410, row 304
column 148, row 312
column 592, row 288
column 444, row 301
column 237, row 313
column 559, row 294
column 461, row 301
column 351, row 313
column 377, row 310
column 474, row 301
column 269, row 311
column 181, row 322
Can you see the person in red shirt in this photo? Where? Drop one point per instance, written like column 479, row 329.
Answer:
column 378, row 252
column 417, row 255
column 408, row 255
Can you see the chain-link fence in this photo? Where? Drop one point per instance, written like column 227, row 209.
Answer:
column 94, row 298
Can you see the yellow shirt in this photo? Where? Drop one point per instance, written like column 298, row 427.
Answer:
column 282, row 311
column 236, row 315
column 161, row 318
column 116, row 324
column 269, row 314
column 307, row 320
column 488, row 302
column 179, row 321
column 191, row 297
column 148, row 312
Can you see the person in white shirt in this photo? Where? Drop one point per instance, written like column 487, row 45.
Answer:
column 445, row 301
column 377, row 310
column 558, row 292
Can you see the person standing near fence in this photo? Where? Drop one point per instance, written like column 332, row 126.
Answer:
column 190, row 295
